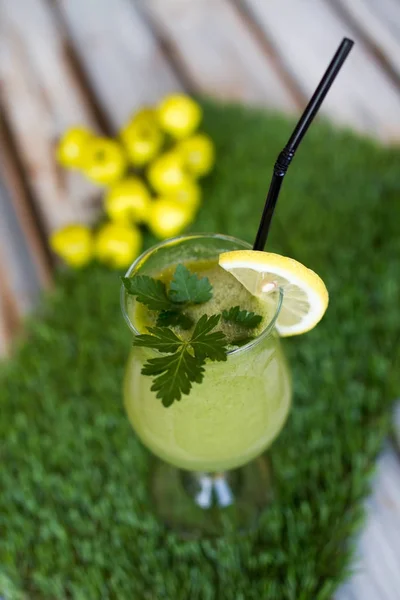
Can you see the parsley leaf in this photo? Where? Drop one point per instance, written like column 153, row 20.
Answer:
column 206, row 344
column 162, row 339
column 183, row 364
column 175, row 374
column 171, row 318
column 187, row 287
column 242, row 317
column 148, row 291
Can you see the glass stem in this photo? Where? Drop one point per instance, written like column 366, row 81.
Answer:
column 210, row 489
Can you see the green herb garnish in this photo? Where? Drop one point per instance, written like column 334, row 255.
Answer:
column 174, row 318
column 184, row 363
column 186, row 287
column 148, row 291
column 242, row 317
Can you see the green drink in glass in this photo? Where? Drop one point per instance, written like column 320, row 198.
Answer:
column 224, row 399
column 231, row 417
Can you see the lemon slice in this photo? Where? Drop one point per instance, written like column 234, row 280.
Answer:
column 305, row 297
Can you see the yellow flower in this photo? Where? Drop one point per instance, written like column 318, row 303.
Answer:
column 128, row 200
column 179, row 115
column 104, row 161
column 198, row 154
column 167, row 174
column 72, row 146
column 117, row 245
column 142, row 137
column 188, row 194
column 74, row 244
column 169, row 217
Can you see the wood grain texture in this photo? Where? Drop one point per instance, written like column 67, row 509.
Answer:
column 24, row 264
column 396, row 426
column 121, row 57
column 16, row 202
column 345, row 593
column 379, row 21
column 218, row 52
column 363, row 96
column 9, row 320
column 42, row 98
column 376, row 568
column 20, row 277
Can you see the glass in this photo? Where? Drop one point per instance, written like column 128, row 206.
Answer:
column 212, row 441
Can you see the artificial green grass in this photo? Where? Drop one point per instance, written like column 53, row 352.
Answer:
column 74, row 508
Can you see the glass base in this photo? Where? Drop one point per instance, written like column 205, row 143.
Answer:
column 210, row 504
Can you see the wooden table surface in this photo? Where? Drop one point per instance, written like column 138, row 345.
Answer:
column 93, row 62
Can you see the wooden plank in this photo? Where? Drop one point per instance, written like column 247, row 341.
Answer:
column 379, row 22
column 305, row 38
column 19, row 284
column 9, row 320
column 390, row 11
column 345, row 593
column 377, row 573
column 41, row 97
column 218, row 52
column 24, row 265
column 16, row 200
column 396, row 425
column 121, row 57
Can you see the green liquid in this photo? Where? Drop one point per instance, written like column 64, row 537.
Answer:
column 240, row 406
column 227, row 292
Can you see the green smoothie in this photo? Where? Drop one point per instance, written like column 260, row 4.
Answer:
column 240, row 406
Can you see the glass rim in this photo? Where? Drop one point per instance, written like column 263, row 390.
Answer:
column 191, row 236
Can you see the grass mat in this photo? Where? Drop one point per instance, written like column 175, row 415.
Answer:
column 74, row 509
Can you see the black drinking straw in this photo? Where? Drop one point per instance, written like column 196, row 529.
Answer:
column 284, row 159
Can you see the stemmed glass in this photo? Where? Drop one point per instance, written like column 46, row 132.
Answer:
column 213, row 469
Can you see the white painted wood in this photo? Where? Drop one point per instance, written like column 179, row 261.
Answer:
column 305, row 36
column 5, row 334
column 396, row 425
column 18, row 263
column 345, row 593
column 389, row 9
column 21, row 221
column 380, row 22
column 121, row 56
column 219, row 53
column 24, row 267
column 377, row 568
column 20, row 282
column 42, row 98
